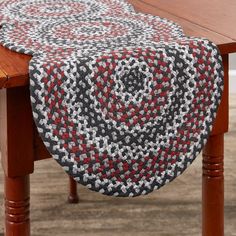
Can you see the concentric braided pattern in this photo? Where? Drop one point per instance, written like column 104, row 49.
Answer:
column 123, row 101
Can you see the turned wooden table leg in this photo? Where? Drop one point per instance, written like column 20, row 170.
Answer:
column 213, row 187
column 17, row 157
column 73, row 195
column 213, row 166
column 17, row 201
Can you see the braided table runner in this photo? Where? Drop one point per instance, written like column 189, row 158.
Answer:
column 123, row 101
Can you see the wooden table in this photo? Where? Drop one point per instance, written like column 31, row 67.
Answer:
column 21, row 146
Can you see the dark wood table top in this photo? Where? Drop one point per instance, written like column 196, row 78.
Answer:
column 215, row 20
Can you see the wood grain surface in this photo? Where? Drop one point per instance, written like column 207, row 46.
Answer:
column 191, row 27
column 16, row 121
column 215, row 15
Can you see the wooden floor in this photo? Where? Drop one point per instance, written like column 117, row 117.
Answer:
column 175, row 210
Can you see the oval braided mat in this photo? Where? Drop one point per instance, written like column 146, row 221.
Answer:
column 123, row 101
